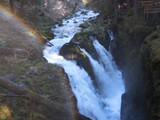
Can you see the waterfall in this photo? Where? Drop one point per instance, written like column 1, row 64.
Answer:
column 110, row 83
column 98, row 103
column 111, row 38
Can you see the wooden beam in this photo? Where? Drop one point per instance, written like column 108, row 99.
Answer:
column 145, row 3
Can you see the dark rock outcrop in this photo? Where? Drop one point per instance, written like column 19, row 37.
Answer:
column 126, row 51
column 82, row 117
column 133, row 106
column 70, row 51
column 83, row 39
column 150, row 52
column 137, row 56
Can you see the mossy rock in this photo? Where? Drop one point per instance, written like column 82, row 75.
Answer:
column 71, row 51
column 84, row 25
column 83, row 40
column 150, row 51
column 2, row 43
column 46, row 31
column 38, row 116
column 152, row 45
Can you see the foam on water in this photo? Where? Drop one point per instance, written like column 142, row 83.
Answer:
column 110, row 83
column 102, row 103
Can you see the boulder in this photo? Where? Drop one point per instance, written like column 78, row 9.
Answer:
column 83, row 40
column 71, row 51
column 133, row 106
column 85, row 25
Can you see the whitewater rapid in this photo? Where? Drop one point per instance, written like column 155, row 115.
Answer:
column 103, row 101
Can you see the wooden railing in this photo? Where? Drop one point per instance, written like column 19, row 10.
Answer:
column 150, row 7
column 148, row 2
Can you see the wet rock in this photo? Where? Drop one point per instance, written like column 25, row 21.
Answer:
column 75, row 22
column 59, row 22
column 134, row 53
column 150, row 52
column 41, row 14
column 71, row 51
column 84, row 12
column 133, row 106
column 82, row 117
column 84, row 41
column 85, row 25
column 2, row 43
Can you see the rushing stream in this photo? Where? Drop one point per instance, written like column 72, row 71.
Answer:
column 103, row 101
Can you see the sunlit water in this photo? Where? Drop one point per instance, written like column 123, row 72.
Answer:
column 103, row 101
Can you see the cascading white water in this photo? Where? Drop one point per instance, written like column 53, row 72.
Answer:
column 110, row 83
column 102, row 103
column 111, row 38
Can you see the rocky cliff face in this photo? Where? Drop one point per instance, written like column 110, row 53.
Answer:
column 102, row 6
column 22, row 64
column 41, row 15
column 136, row 52
column 151, row 59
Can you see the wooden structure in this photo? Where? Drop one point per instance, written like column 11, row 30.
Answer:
column 150, row 6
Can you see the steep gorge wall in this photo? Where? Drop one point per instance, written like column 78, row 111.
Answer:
column 21, row 57
column 22, row 64
column 101, row 6
column 126, row 51
column 136, row 52
column 43, row 14
column 150, row 52
column 136, row 56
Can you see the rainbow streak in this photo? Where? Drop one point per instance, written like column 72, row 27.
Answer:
column 30, row 29
column 32, row 32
